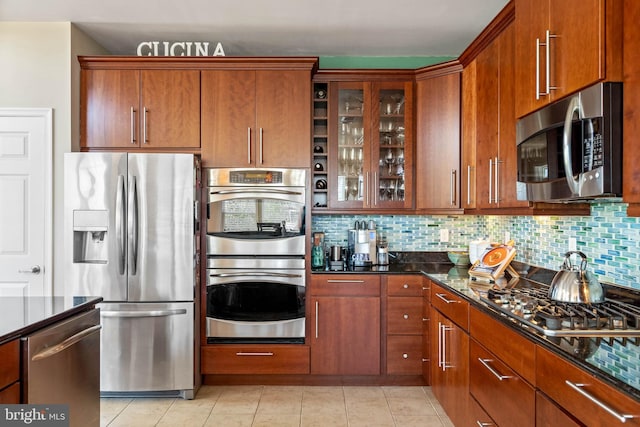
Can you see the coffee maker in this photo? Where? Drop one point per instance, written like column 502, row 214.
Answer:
column 361, row 244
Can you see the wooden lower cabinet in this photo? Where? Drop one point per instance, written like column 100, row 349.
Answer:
column 10, row 372
column 450, row 367
column 582, row 395
column 478, row 416
column 255, row 359
column 344, row 312
column 404, row 322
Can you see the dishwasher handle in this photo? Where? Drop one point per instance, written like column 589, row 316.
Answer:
column 73, row 339
column 148, row 313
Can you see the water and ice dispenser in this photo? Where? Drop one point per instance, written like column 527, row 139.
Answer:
column 90, row 236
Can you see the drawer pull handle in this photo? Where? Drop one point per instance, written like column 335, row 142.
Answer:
column 266, row 353
column 578, row 387
column 406, row 316
column 344, row 281
column 448, row 301
column 481, row 424
column 406, row 286
column 485, row 362
column 425, row 319
column 405, row 356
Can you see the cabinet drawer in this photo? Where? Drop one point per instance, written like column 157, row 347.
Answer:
column 404, row 315
column 512, row 348
column 404, row 355
column 548, row 414
column 451, row 305
column 345, row 285
column 10, row 367
column 404, row 286
column 561, row 380
column 10, row 395
column 255, row 359
column 506, row 397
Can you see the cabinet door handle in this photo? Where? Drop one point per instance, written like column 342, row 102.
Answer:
column 548, row 37
column 144, row 125
column 133, row 125
column 496, row 187
column 317, row 308
column 448, row 301
column 469, row 184
column 249, row 145
column 375, row 184
column 578, row 387
column 483, row 424
column 366, row 189
column 452, row 189
column 405, row 316
column 261, row 136
column 485, row 363
column 440, row 345
column 445, row 328
column 538, row 94
column 490, row 181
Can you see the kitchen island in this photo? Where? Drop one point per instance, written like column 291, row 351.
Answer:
column 50, row 352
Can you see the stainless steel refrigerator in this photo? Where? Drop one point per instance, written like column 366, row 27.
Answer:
column 131, row 236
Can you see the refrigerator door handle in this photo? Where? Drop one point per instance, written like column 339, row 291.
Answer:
column 133, row 226
column 150, row 313
column 120, row 216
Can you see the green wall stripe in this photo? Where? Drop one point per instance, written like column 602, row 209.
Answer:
column 381, row 62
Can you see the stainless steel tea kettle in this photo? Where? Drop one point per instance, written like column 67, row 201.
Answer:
column 575, row 284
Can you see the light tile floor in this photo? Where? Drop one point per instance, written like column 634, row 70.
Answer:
column 281, row 406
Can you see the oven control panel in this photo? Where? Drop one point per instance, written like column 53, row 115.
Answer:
column 255, row 177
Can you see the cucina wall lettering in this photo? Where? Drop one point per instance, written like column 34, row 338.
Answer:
column 157, row 48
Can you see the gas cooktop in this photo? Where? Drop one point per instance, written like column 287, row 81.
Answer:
column 530, row 305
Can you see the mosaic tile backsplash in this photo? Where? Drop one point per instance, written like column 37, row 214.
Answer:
column 609, row 238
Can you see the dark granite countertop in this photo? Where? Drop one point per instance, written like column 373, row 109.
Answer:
column 597, row 360
column 24, row 315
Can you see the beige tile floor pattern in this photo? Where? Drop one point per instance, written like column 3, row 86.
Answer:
column 281, row 406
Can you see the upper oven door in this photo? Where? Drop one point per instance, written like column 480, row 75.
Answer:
column 255, row 220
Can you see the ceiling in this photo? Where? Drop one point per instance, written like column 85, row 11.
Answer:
column 273, row 28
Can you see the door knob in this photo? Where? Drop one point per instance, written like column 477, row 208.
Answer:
column 34, row 270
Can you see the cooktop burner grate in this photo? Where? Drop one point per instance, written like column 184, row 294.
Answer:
column 533, row 307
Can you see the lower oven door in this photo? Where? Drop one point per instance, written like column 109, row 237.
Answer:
column 256, row 305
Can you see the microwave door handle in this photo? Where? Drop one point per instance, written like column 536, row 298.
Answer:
column 575, row 106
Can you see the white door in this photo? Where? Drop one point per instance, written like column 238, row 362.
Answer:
column 25, row 201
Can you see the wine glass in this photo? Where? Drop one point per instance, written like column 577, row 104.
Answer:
column 391, row 189
column 383, row 189
column 353, row 190
column 389, row 160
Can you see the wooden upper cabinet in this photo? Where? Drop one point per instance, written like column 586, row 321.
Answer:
column 438, row 142
column 581, row 38
column 110, row 100
column 496, row 167
column 631, row 158
column 131, row 108
column 256, row 118
column 170, row 109
column 468, row 143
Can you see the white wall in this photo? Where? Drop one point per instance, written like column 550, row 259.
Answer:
column 40, row 69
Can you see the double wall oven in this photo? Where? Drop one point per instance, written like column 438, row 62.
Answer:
column 255, row 244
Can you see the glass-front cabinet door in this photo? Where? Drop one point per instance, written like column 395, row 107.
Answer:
column 370, row 143
column 392, row 142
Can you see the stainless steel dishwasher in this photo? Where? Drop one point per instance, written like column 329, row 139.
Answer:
column 61, row 365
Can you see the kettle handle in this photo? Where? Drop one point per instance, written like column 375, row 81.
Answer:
column 567, row 260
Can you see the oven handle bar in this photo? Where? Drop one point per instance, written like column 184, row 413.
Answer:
column 578, row 387
column 261, row 274
column 257, row 190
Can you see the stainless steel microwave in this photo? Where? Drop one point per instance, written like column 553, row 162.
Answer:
column 571, row 150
